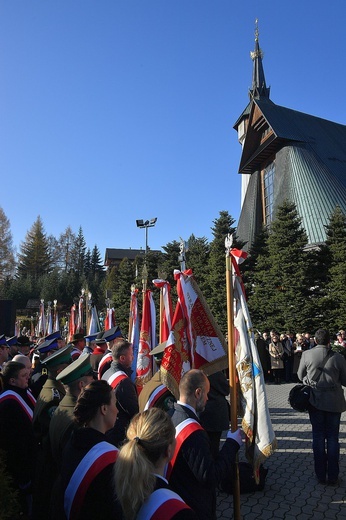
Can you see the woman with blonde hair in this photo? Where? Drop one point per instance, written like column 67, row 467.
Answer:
column 142, row 460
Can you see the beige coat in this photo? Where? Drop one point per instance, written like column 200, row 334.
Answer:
column 276, row 352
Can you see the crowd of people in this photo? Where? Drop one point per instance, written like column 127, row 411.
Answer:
column 75, row 436
column 75, row 439
column 280, row 353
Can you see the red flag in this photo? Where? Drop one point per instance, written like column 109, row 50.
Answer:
column 146, row 342
column 166, row 324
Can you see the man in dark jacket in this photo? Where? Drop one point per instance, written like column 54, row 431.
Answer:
column 119, row 377
column 325, row 371
column 195, row 473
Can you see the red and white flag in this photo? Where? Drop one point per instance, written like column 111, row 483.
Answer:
column 146, row 341
column 176, row 359
column 166, row 316
column 110, row 319
column 196, row 340
column 208, row 346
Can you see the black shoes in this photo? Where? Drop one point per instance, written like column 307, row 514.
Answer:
column 333, row 482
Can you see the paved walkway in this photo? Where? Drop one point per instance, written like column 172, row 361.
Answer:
column 291, row 491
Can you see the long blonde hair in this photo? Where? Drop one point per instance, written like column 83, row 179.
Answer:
column 149, row 435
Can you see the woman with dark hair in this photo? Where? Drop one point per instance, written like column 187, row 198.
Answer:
column 16, row 432
column 143, row 460
column 85, row 490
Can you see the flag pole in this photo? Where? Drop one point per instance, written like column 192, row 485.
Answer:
column 133, row 288
column 232, row 371
column 144, row 284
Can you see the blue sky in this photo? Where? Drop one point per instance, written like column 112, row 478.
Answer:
column 117, row 110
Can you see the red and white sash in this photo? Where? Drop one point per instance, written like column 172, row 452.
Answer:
column 162, row 503
column 13, row 396
column 106, row 359
column 75, row 353
column 31, row 398
column 115, row 378
column 182, row 432
column 155, row 396
column 97, row 458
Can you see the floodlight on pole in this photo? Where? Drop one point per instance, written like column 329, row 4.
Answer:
column 145, row 224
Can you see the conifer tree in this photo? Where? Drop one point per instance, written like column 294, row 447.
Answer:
column 78, row 254
column 281, row 291
column 124, row 278
column 250, row 267
column 67, row 244
column 87, row 263
column 215, row 292
column 34, row 258
column 334, row 302
column 197, row 258
column 96, row 277
column 170, row 260
column 7, row 262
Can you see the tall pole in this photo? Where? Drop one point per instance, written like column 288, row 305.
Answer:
column 232, row 371
column 133, row 288
column 146, row 241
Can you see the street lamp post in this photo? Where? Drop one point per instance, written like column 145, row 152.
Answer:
column 145, row 224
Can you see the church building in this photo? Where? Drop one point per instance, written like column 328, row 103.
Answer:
column 287, row 155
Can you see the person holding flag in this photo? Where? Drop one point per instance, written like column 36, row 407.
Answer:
column 193, row 472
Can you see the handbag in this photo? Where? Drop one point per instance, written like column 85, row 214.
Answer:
column 299, row 396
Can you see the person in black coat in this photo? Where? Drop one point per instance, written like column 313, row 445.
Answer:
column 216, row 415
column 85, row 488
column 195, row 473
column 17, row 438
column 143, row 460
column 119, row 377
